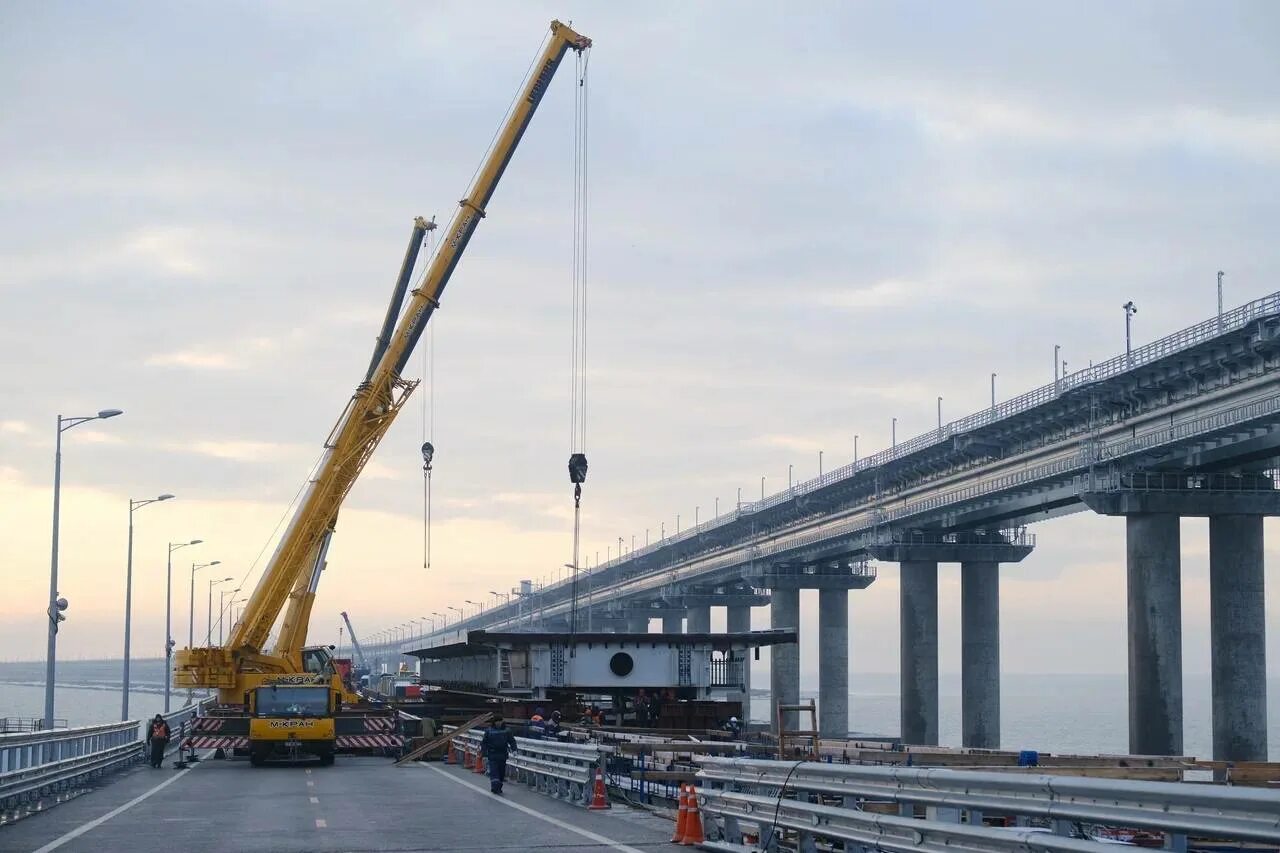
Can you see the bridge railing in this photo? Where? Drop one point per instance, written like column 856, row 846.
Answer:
column 34, row 765
column 746, row 791
column 565, row 771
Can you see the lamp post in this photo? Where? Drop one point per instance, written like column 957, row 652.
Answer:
column 208, row 634
column 58, row 604
column 222, row 609
column 128, row 601
column 761, row 487
column 893, row 434
column 477, row 605
column 790, row 468
column 819, row 464
column 168, row 616
column 191, row 609
column 1057, row 350
column 939, row 416
column 1129, row 310
column 993, row 390
column 443, row 619
column 855, row 449
column 1220, row 275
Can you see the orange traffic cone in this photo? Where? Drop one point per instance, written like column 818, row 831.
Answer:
column 466, row 758
column 479, row 763
column 598, row 800
column 682, row 820
column 693, row 828
column 448, row 752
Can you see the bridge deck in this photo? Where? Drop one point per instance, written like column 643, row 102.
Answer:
column 359, row 804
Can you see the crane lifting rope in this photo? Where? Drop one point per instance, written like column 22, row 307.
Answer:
column 578, row 357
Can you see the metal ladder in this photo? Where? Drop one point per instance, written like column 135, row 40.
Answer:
column 504, row 668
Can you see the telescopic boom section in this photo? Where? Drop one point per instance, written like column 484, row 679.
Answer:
column 355, row 644
column 370, row 411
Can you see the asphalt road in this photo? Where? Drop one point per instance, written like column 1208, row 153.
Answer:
column 359, row 804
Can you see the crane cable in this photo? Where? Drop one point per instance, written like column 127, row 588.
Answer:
column 578, row 356
column 428, row 426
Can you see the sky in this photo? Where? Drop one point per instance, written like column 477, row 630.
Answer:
column 804, row 220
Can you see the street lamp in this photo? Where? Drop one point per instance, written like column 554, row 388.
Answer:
column 789, row 469
column 208, row 634
column 855, row 449
column 168, row 614
column 762, row 487
column 128, row 601
column 477, row 605
column 57, row 604
column 1129, row 310
column 993, row 390
column 222, row 610
column 1220, row 275
column 893, row 434
column 819, row 463
column 939, row 416
column 191, row 609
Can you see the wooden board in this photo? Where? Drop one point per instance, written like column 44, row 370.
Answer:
column 440, row 740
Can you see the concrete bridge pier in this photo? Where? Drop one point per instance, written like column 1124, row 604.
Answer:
column 979, row 553
column 738, row 621
column 919, row 650
column 699, row 620
column 1238, row 629
column 980, row 654
column 833, row 662
column 784, row 676
column 1235, row 504
column 638, row 624
column 672, row 623
column 1154, row 572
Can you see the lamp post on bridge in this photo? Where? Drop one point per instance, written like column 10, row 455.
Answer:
column 128, row 601
column 208, row 636
column 1056, row 352
column 222, row 609
column 1129, row 310
column 57, row 604
column 819, row 464
column 993, row 391
column 168, row 612
column 939, row 417
column 893, row 434
column 191, row 610
column 761, row 487
column 790, row 469
column 855, row 448
column 1220, row 275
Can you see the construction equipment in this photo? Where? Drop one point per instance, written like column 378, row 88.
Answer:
column 241, row 667
column 362, row 663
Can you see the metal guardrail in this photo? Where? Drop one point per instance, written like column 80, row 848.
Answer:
column 37, row 764
column 743, row 786
column 561, row 770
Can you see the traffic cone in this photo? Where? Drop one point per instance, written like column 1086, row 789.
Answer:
column 693, row 833
column 682, row 819
column 448, row 752
column 467, row 761
column 479, row 763
column 598, row 800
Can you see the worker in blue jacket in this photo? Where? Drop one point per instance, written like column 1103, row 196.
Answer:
column 496, row 744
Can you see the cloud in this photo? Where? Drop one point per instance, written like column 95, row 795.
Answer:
column 15, row 427
column 238, row 450
column 198, row 359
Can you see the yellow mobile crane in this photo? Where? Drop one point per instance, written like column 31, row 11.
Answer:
column 290, row 699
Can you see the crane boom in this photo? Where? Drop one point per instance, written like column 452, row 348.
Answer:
column 292, row 573
column 355, row 644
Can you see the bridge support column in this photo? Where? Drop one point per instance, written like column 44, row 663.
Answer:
column 980, row 654
column 784, row 675
column 738, row 621
column 833, row 662
column 919, row 646
column 1155, row 633
column 1238, row 634
column 699, row 621
column 672, row 624
column 638, row 624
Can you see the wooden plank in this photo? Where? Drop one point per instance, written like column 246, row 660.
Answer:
column 440, row 740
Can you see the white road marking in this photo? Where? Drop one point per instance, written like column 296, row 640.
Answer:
column 585, row 833
column 311, row 784
column 315, row 799
column 320, row 823
column 96, row 822
column 308, row 769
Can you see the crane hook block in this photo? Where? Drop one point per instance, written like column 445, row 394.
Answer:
column 578, row 468
column 428, row 451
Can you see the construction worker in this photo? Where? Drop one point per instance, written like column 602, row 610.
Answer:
column 553, row 725
column 157, row 740
column 495, row 745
